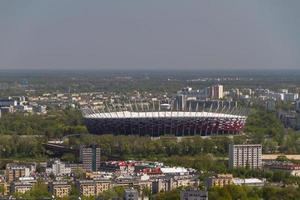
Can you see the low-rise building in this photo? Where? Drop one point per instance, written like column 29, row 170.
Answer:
column 60, row 189
column 93, row 187
column 131, row 194
column 193, row 195
column 86, row 188
column 75, row 167
column 122, row 167
column 8, row 102
column 41, row 109
column 21, row 187
column 102, row 185
column 219, row 180
column 252, row 182
column 170, row 183
column 58, row 168
column 13, row 173
column 291, row 168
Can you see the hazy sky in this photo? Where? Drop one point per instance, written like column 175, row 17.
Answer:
column 149, row 34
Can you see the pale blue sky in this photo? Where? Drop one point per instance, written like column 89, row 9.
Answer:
column 149, row 34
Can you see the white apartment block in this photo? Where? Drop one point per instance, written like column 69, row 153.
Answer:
column 245, row 155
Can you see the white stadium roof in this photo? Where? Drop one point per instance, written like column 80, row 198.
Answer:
column 160, row 114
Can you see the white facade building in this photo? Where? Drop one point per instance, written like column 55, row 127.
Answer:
column 58, row 169
column 246, row 155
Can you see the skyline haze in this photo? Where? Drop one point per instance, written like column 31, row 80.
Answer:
column 147, row 35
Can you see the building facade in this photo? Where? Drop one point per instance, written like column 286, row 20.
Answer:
column 90, row 157
column 219, row 180
column 160, row 123
column 131, row 194
column 193, row 195
column 86, row 188
column 60, row 189
column 245, row 156
column 13, row 173
column 58, row 169
column 21, row 187
column 90, row 188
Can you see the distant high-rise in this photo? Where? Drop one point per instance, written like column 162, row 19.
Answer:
column 214, row 92
column 246, row 155
column 90, row 157
column 217, row 92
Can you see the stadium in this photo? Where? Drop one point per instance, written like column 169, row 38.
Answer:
column 159, row 123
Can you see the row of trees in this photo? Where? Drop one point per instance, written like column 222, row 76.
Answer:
column 12, row 146
column 252, row 193
column 262, row 124
column 144, row 147
column 55, row 124
column 241, row 192
column 265, row 128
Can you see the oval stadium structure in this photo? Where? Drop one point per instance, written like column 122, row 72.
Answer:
column 158, row 123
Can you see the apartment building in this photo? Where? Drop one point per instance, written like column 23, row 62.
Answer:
column 245, row 156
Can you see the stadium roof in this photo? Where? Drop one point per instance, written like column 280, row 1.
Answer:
column 160, row 114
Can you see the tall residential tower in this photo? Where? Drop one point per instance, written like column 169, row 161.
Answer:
column 90, row 157
column 245, row 155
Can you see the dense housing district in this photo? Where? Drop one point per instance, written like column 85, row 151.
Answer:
column 221, row 139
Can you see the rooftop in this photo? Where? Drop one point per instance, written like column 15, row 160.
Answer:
column 161, row 114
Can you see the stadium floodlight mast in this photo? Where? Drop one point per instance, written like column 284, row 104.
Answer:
column 115, row 109
column 131, row 109
column 108, row 110
column 218, row 106
column 171, row 104
column 153, row 108
column 211, row 106
column 158, row 109
column 196, row 108
column 142, row 105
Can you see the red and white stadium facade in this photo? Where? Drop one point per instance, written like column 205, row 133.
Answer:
column 158, row 123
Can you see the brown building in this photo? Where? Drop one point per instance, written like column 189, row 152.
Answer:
column 169, row 184
column 14, row 173
column 60, row 189
column 93, row 187
column 291, row 168
column 219, row 180
column 86, row 188
column 21, row 187
column 102, row 185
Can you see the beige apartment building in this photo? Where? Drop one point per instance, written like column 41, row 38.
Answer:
column 60, row 189
column 219, row 180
